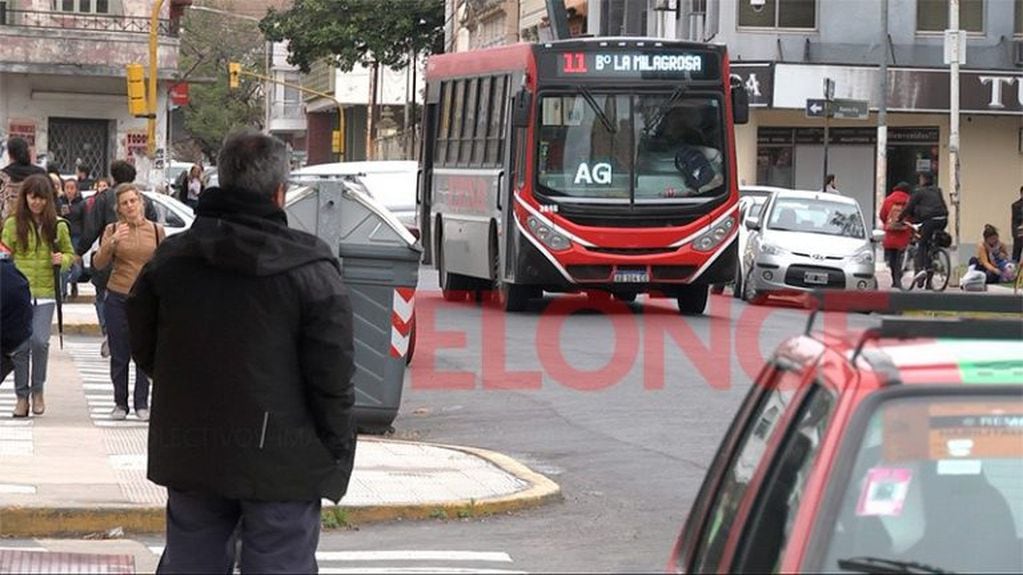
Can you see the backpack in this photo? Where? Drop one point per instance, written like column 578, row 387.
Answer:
column 893, row 218
column 8, row 195
column 942, row 239
column 695, row 167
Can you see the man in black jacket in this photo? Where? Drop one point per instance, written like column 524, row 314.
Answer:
column 15, row 313
column 246, row 328
column 926, row 207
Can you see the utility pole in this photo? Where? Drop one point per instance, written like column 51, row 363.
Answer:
column 154, row 29
column 881, row 185
column 953, row 131
column 829, row 95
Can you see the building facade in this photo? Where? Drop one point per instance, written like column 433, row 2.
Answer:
column 62, row 80
column 784, row 49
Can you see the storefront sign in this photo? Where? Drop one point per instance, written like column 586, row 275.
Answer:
column 910, row 89
column 758, row 77
column 135, row 144
column 24, row 129
column 844, row 136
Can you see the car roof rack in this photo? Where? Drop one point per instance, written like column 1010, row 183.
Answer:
column 899, row 302
column 951, row 328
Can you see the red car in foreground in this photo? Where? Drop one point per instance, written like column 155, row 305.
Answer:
column 899, row 451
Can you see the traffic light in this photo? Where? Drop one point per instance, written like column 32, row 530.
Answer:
column 137, row 90
column 337, row 142
column 234, row 72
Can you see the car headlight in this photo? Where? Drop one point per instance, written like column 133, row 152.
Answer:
column 713, row 237
column 771, row 249
column 864, row 257
column 548, row 236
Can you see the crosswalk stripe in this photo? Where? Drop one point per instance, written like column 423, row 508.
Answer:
column 410, row 555
column 94, row 371
column 412, row 570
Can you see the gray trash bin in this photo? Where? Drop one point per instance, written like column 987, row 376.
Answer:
column 380, row 266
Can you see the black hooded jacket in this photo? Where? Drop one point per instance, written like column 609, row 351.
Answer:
column 246, row 328
column 15, row 306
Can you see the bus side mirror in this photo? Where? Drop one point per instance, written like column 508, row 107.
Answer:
column 740, row 104
column 753, row 224
column 521, row 104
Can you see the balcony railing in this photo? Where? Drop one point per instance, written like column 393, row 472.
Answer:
column 55, row 20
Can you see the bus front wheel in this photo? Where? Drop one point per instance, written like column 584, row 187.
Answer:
column 692, row 300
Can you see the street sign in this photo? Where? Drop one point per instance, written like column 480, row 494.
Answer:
column 850, row 109
column 815, row 107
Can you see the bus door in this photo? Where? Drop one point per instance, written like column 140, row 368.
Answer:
column 516, row 161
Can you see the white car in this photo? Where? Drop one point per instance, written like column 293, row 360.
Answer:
column 801, row 241
column 175, row 216
column 391, row 182
column 751, row 200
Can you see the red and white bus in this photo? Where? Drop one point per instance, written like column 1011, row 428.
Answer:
column 581, row 165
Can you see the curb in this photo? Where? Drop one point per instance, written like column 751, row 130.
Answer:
column 80, row 329
column 38, row 522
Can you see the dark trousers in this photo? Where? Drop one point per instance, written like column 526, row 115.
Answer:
column 893, row 258
column 990, row 276
column 276, row 537
column 927, row 230
column 1017, row 249
column 120, row 354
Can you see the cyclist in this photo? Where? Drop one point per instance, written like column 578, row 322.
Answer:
column 926, row 207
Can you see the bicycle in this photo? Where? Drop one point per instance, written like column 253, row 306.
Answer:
column 935, row 276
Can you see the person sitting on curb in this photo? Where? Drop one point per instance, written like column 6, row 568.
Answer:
column 992, row 258
column 15, row 313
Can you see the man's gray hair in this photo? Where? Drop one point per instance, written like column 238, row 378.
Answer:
column 253, row 162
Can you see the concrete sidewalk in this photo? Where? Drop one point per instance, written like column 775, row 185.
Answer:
column 75, row 472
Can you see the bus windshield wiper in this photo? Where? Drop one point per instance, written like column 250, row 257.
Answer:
column 662, row 110
column 881, row 565
column 601, row 115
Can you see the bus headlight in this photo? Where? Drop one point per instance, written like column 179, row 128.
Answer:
column 548, row 236
column 713, row 237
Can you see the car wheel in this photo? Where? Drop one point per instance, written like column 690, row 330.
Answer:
column 738, row 283
column 749, row 291
column 692, row 300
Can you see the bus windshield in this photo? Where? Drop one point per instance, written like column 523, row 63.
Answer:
column 642, row 148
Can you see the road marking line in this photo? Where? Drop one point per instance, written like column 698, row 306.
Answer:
column 412, row 555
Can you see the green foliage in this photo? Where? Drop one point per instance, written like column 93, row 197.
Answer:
column 334, row 518
column 208, row 42
column 351, row 32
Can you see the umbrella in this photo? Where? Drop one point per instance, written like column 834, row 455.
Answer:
column 60, row 308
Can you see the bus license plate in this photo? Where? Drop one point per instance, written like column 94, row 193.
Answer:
column 816, row 278
column 631, row 276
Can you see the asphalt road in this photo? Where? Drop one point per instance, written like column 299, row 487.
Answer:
column 626, row 431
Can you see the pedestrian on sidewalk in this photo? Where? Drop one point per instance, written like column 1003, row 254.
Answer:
column 831, row 185
column 1017, row 228
column 126, row 246
column 100, row 212
column 20, row 168
column 15, row 313
column 897, row 234
column 38, row 241
column 246, row 328
column 72, row 208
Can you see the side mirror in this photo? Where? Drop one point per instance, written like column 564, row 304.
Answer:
column 740, row 103
column 522, row 103
column 877, row 235
column 753, row 224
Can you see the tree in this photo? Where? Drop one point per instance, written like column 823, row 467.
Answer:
column 351, row 32
column 208, row 42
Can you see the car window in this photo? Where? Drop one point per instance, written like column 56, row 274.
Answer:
column 817, row 217
column 762, row 426
column 775, row 510
column 167, row 217
column 936, row 480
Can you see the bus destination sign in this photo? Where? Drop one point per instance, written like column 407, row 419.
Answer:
column 670, row 65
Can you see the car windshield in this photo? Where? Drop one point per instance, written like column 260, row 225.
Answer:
column 816, row 217
column 652, row 148
column 937, row 482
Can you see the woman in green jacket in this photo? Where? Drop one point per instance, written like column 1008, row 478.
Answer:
column 38, row 240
